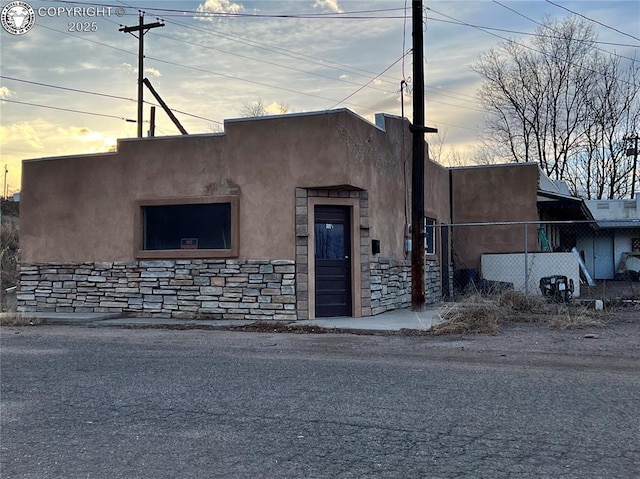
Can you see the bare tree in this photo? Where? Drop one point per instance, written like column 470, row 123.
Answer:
column 258, row 108
column 601, row 168
column 562, row 103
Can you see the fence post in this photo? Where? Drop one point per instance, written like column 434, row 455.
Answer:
column 526, row 260
column 444, row 262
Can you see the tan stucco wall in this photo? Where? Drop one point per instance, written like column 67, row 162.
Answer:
column 501, row 193
column 82, row 208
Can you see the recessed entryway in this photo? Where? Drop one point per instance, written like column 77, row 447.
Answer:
column 332, row 254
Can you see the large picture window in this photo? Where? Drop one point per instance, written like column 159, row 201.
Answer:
column 202, row 227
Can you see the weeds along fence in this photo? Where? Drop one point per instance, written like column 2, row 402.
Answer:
column 562, row 259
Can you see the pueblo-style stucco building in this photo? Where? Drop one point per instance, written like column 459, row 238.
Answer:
column 287, row 217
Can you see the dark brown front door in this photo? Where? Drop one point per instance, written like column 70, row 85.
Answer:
column 332, row 261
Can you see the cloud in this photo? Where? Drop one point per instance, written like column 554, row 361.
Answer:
column 131, row 69
column 80, row 133
column 128, row 68
column 276, row 108
column 20, row 135
column 328, row 4
column 153, row 72
column 92, row 141
column 5, row 92
column 219, row 6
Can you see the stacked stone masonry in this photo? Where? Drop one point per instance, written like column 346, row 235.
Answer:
column 302, row 244
column 216, row 288
column 391, row 284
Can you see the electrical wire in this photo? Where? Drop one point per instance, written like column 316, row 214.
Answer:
column 378, row 76
column 283, row 51
column 67, row 88
column 218, row 74
column 506, row 30
column 295, row 55
column 483, row 29
column 76, row 90
column 594, row 21
column 553, row 30
column 168, row 12
column 69, row 110
column 254, row 82
column 307, row 72
column 370, row 81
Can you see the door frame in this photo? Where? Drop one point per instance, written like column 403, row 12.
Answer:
column 354, row 211
column 607, row 239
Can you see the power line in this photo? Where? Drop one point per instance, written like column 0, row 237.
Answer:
column 251, row 43
column 306, row 71
column 283, row 51
column 506, row 30
column 553, row 30
column 88, row 40
column 264, row 61
column 214, row 73
column 483, row 29
column 370, row 81
column 67, row 88
column 69, row 110
column 594, row 21
column 224, row 75
column 297, row 56
column 76, row 90
column 378, row 76
column 168, row 12
column 276, row 49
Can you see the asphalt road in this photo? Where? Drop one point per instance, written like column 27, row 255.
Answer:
column 114, row 403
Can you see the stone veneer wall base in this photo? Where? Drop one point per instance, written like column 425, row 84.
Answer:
column 391, row 284
column 205, row 289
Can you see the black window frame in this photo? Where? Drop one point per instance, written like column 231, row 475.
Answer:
column 430, row 236
column 178, row 253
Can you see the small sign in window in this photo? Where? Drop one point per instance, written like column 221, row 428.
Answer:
column 189, row 243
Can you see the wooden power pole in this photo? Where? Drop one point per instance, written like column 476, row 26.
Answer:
column 417, row 166
column 633, row 152
column 141, row 28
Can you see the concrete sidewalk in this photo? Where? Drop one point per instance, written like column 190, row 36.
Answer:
column 397, row 320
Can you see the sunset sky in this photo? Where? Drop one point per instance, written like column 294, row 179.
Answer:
column 66, row 91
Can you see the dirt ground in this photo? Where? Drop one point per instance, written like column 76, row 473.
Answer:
column 612, row 290
column 613, row 344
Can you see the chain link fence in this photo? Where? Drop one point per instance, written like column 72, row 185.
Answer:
column 564, row 260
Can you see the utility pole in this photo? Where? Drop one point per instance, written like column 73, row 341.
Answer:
column 141, row 28
column 417, row 167
column 5, row 189
column 152, row 122
column 633, row 152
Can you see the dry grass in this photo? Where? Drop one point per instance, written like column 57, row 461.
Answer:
column 578, row 318
column 474, row 316
column 477, row 314
column 518, row 302
column 18, row 319
column 9, row 245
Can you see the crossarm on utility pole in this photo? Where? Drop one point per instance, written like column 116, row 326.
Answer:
column 141, row 28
